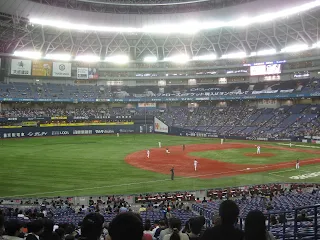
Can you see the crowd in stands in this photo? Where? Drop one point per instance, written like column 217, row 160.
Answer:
column 166, row 220
column 86, row 92
column 235, row 120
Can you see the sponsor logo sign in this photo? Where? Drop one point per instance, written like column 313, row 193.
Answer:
column 126, row 130
column 82, row 73
column 160, row 126
column 61, row 69
column 37, row 134
column 13, row 135
column 104, row 131
column 82, row 132
column 57, row 133
column 21, row 67
column 41, row 68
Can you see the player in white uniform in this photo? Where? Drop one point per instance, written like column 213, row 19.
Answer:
column 118, row 134
column 298, row 164
column 290, row 144
column 148, row 153
column 159, row 144
column 167, row 150
column 258, row 149
column 195, row 164
column 221, row 141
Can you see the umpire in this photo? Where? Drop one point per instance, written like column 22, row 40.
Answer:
column 172, row 173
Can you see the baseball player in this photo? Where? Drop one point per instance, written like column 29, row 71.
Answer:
column 195, row 164
column 290, row 144
column 118, row 134
column 183, row 147
column 297, row 164
column 159, row 144
column 148, row 153
column 258, row 149
column 221, row 141
column 167, row 151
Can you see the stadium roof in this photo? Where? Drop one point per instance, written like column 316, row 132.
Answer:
column 17, row 33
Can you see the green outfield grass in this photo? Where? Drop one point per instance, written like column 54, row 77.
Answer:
column 238, row 156
column 94, row 165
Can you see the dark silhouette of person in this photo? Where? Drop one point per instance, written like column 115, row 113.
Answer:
column 172, row 173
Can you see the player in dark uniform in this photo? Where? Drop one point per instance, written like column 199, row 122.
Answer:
column 172, row 173
column 183, row 147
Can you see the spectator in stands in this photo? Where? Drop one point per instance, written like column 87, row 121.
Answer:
column 147, row 230
column 175, row 234
column 273, row 220
column 255, row 227
column 13, row 230
column 156, row 226
column 142, row 209
column 35, row 229
column 282, row 218
column 229, row 213
column 162, row 226
column 204, row 200
column 216, row 220
column 1, row 225
column 48, row 233
column 196, row 226
column 60, row 232
column 91, row 228
column 302, row 217
column 126, row 226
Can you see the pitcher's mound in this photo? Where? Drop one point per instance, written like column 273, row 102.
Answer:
column 259, row 155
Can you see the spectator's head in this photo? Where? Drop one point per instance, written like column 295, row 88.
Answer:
column 255, row 227
column 60, row 232
column 147, row 226
column 1, row 224
column 13, row 228
column 175, row 225
column 228, row 212
column 35, row 227
column 196, row 224
column 126, row 226
column 48, row 225
column 91, row 227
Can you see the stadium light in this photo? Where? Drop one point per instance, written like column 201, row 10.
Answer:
column 150, row 59
column 87, row 58
column 28, row 54
column 316, row 45
column 295, row 48
column 58, row 56
column 119, row 59
column 264, row 52
column 177, row 59
column 205, row 57
column 189, row 27
column 234, row 55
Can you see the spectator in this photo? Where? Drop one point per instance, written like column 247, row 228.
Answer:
column 35, row 229
column 204, row 200
column 126, row 226
column 60, row 232
column 48, row 233
column 302, row 217
column 91, row 228
column 196, row 226
column 216, row 220
column 142, row 209
column 155, row 227
column 1, row 226
column 175, row 227
column 229, row 213
column 12, row 230
column 162, row 226
column 255, row 227
column 147, row 230
column 273, row 220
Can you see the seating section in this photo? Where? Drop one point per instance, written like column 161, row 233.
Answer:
column 60, row 91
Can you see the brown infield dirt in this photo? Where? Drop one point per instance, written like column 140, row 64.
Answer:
column 161, row 162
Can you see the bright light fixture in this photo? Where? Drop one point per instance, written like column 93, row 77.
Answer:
column 189, row 27
column 150, row 59
column 119, row 59
column 58, row 56
column 177, row 58
column 266, row 52
column 205, row 57
column 87, row 58
column 28, row 54
column 295, row 48
column 235, row 55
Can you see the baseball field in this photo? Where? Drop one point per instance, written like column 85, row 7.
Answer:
column 101, row 165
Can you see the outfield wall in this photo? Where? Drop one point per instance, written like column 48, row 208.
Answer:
column 67, row 131
column 194, row 133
